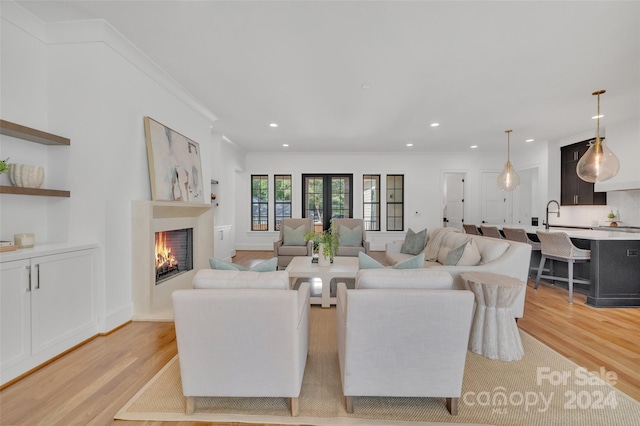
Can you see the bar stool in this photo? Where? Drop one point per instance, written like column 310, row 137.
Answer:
column 520, row 235
column 490, row 231
column 470, row 229
column 558, row 246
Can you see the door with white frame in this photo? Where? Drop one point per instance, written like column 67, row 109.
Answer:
column 496, row 206
column 453, row 199
column 526, row 199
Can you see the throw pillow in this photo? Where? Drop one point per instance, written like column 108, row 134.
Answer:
column 368, row 262
column 414, row 243
column 465, row 255
column 223, row 265
column 294, row 237
column 348, row 237
column 266, row 266
column 412, row 263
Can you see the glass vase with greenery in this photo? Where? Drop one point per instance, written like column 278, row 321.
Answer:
column 328, row 239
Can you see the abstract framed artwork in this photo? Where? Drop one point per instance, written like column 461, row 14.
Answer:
column 175, row 167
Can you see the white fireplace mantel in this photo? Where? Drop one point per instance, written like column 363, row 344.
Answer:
column 152, row 302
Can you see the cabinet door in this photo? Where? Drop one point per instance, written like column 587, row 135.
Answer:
column 15, row 313
column 62, row 299
column 573, row 190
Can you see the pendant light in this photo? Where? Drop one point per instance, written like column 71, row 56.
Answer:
column 599, row 162
column 508, row 179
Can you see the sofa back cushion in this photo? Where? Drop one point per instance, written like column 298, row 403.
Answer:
column 218, row 279
column 490, row 248
column 428, row 279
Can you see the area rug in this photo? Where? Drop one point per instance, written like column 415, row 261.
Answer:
column 544, row 388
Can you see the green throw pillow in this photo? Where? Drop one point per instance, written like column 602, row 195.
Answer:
column 368, row 262
column 412, row 263
column 266, row 266
column 348, row 237
column 294, row 237
column 414, row 243
column 465, row 255
column 223, row 265
column 454, row 255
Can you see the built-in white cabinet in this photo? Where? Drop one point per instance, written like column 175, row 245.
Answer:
column 47, row 302
column 223, row 242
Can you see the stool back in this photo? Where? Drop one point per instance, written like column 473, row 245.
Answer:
column 470, row 229
column 490, row 231
column 520, row 235
column 558, row 244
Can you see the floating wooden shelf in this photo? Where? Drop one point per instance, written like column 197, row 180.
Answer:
column 34, row 191
column 28, row 134
column 38, row 136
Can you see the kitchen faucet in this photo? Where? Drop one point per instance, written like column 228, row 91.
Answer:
column 546, row 224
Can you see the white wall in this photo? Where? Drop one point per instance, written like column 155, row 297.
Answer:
column 86, row 83
column 423, row 185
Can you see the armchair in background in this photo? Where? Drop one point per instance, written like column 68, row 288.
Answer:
column 352, row 236
column 291, row 241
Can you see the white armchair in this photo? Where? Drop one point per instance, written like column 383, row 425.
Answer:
column 401, row 335
column 238, row 340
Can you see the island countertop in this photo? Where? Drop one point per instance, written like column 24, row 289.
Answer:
column 586, row 234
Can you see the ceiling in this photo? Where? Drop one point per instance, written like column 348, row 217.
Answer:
column 372, row 76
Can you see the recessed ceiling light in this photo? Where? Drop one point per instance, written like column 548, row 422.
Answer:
column 365, row 86
column 529, row 140
column 285, row 145
column 474, row 146
column 409, row 144
column 435, row 124
column 273, row 125
column 597, row 116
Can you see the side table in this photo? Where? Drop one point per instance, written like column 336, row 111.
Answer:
column 494, row 333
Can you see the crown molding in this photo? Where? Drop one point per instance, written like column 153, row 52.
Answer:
column 99, row 31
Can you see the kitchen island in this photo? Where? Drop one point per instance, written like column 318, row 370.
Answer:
column 614, row 269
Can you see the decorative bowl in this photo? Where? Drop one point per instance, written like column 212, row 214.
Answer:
column 25, row 175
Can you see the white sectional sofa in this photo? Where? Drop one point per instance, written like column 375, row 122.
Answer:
column 499, row 256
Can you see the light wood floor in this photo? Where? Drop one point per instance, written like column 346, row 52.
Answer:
column 89, row 385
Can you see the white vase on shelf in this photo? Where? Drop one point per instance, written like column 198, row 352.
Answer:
column 26, row 176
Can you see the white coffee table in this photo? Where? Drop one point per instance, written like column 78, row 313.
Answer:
column 342, row 267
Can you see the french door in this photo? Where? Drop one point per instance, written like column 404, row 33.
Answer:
column 327, row 196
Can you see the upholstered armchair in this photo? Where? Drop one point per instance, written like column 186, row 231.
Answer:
column 403, row 333
column 242, row 334
column 291, row 241
column 352, row 236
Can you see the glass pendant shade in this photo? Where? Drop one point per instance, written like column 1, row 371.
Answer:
column 599, row 163
column 508, row 180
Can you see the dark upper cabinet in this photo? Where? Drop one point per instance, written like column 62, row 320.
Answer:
column 573, row 190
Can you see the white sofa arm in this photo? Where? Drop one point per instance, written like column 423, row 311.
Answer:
column 304, row 293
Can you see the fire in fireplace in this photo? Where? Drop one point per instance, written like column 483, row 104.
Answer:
column 174, row 253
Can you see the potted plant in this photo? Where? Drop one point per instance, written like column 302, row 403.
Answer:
column 326, row 243
column 4, row 165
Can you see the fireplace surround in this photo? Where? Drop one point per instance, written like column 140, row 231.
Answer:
column 152, row 302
